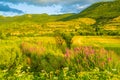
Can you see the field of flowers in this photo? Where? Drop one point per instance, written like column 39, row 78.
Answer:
column 50, row 58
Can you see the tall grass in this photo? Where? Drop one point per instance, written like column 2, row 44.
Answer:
column 84, row 58
column 87, row 58
column 36, row 59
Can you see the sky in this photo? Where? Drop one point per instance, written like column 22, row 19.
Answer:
column 20, row 7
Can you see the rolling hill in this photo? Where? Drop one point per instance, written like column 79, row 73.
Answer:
column 37, row 18
column 101, row 18
column 101, row 11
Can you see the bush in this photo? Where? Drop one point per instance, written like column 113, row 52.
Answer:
column 61, row 37
column 68, row 39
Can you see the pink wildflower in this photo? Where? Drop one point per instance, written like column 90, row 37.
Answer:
column 109, row 59
column 67, row 53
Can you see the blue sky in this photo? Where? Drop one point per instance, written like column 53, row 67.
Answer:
column 19, row 7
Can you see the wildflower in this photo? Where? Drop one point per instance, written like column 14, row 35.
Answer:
column 109, row 59
column 67, row 53
column 103, row 51
column 76, row 49
column 32, row 49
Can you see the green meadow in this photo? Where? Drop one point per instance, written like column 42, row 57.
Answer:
column 41, row 58
column 83, row 46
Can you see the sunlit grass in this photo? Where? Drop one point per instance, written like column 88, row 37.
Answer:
column 41, row 58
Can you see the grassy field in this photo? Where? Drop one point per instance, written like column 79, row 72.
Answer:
column 40, row 58
column 108, row 42
column 81, row 46
column 96, row 41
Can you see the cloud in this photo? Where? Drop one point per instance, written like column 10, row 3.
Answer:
column 6, row 8
column 79, row 7
column 51, row 2
column 33, row 9
column 44, row 6
column 74, row 8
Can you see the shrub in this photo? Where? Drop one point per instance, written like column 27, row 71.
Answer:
column 68, row 39
column 59, row 41
column 61, row 37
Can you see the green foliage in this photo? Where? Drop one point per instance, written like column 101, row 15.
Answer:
column 77, row 59
column 10, row 58
column 48, row 62
column 80, row 63
column 59, row 40
column 44, row 60
column 39, row 59
column 101, row 11
column 37, row 18
column 63, row 74
column 87, row 58
column 2, row 36
column 63, row 37
column 26, row 56
column 68, row 38
column 86, row 30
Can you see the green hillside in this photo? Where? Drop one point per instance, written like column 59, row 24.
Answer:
column 37, row 18
column 112, row 26
column 101, row 11
column 104, row 17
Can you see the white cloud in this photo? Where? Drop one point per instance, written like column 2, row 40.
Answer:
column 47, row 6
column 32, row 9
column 79, row 7
column 51, row 2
